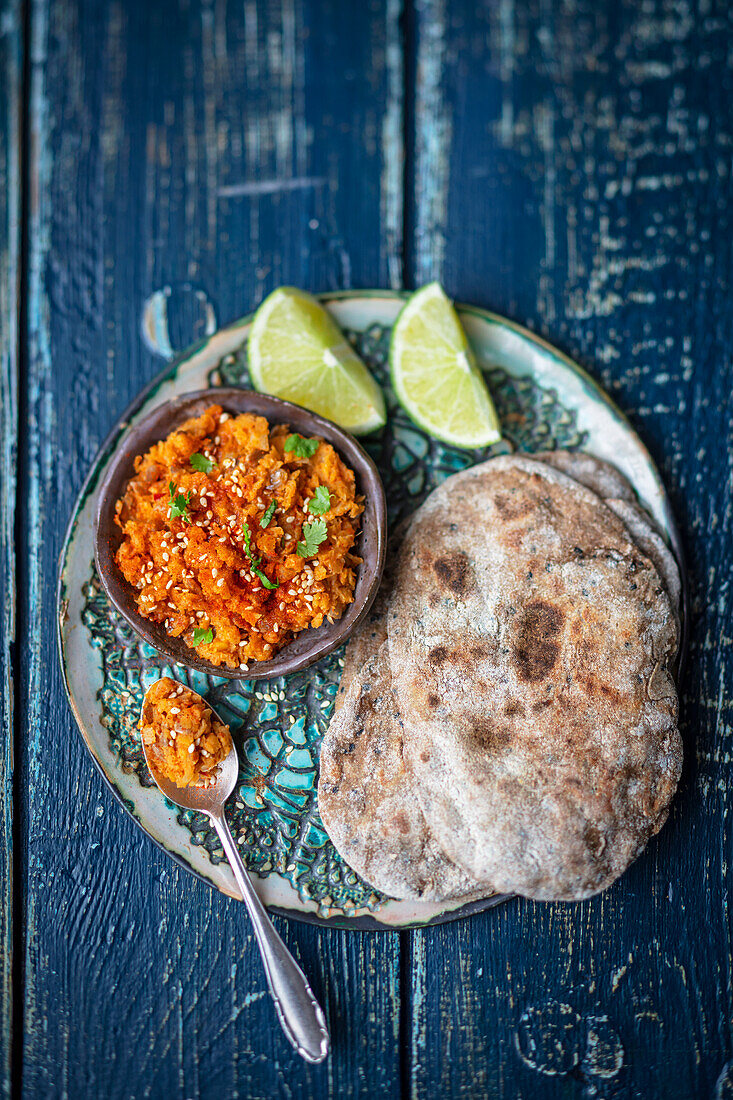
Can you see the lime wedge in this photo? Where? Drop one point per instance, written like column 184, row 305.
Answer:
column 297, row 351
column 434, row 373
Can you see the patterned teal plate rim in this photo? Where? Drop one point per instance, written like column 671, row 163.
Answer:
column 544, row 400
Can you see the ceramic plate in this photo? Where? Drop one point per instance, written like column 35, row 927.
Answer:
column 544, row 401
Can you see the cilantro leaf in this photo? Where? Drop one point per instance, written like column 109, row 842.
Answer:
column 248, row 545
column 178, row 503
column 301, row 447
column 266, row 582
column 268, row 514
column 313, row 535
column 201, row 463
column 203, row 637
column 320, row 502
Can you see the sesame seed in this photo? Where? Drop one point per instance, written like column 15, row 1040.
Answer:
column 220, row 582
column 191, row 748
column 214, row 572
column 175, row 710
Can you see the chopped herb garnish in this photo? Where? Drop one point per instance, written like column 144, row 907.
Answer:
column 179, row 503
column 248, row 544
column 266, row 582
column 268, row 514
column 203, row 637
column 320, row 502
column 313, row 535
column 300, row 446
column 201, row 463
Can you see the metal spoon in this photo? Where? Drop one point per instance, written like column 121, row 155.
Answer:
column 300, row 1015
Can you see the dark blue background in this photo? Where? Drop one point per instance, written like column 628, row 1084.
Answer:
column 566, row 162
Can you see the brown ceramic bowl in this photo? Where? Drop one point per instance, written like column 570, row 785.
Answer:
column 310, row 644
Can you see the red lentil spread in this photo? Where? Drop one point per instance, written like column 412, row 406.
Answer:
column 184, row 740
column 238, row 535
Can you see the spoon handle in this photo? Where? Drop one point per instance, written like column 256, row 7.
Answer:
column 301, row 1017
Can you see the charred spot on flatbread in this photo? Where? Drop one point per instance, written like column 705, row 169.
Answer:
column 453, row 570
column 511, row 507
column 535, row 649
column 487, row 735
column 437, row 655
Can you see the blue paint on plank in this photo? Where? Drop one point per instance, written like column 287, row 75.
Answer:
column 572, row 170
column 151, row 121
column 11, row 45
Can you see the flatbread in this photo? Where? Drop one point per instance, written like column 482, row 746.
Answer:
column 610, row 484
column 366, row 796
column 647, row 537
column 599, row 476
column 529, row 640
column 372, row 632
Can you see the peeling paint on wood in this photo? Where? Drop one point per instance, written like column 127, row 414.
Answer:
column 571, row 168
column 11, row 46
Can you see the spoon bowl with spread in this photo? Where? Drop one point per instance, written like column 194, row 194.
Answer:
column 192, row 758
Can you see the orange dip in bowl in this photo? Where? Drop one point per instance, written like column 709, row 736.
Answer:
column 236, row 535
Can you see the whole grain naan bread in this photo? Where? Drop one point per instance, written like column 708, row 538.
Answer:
column 366, row 796
column 599, row 476
column 529, row 642
column 372, row 631
column 647, row 537
column 609, row 484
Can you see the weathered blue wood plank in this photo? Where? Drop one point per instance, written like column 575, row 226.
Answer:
column 573, row 170
column 10, row 98
column 215, row 149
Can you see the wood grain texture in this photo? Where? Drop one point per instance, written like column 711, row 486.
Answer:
column 11, row 45
column 569, row 166
column 573, row 171
column 208, row 151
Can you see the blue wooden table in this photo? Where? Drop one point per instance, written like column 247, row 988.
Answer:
column 566, row 162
